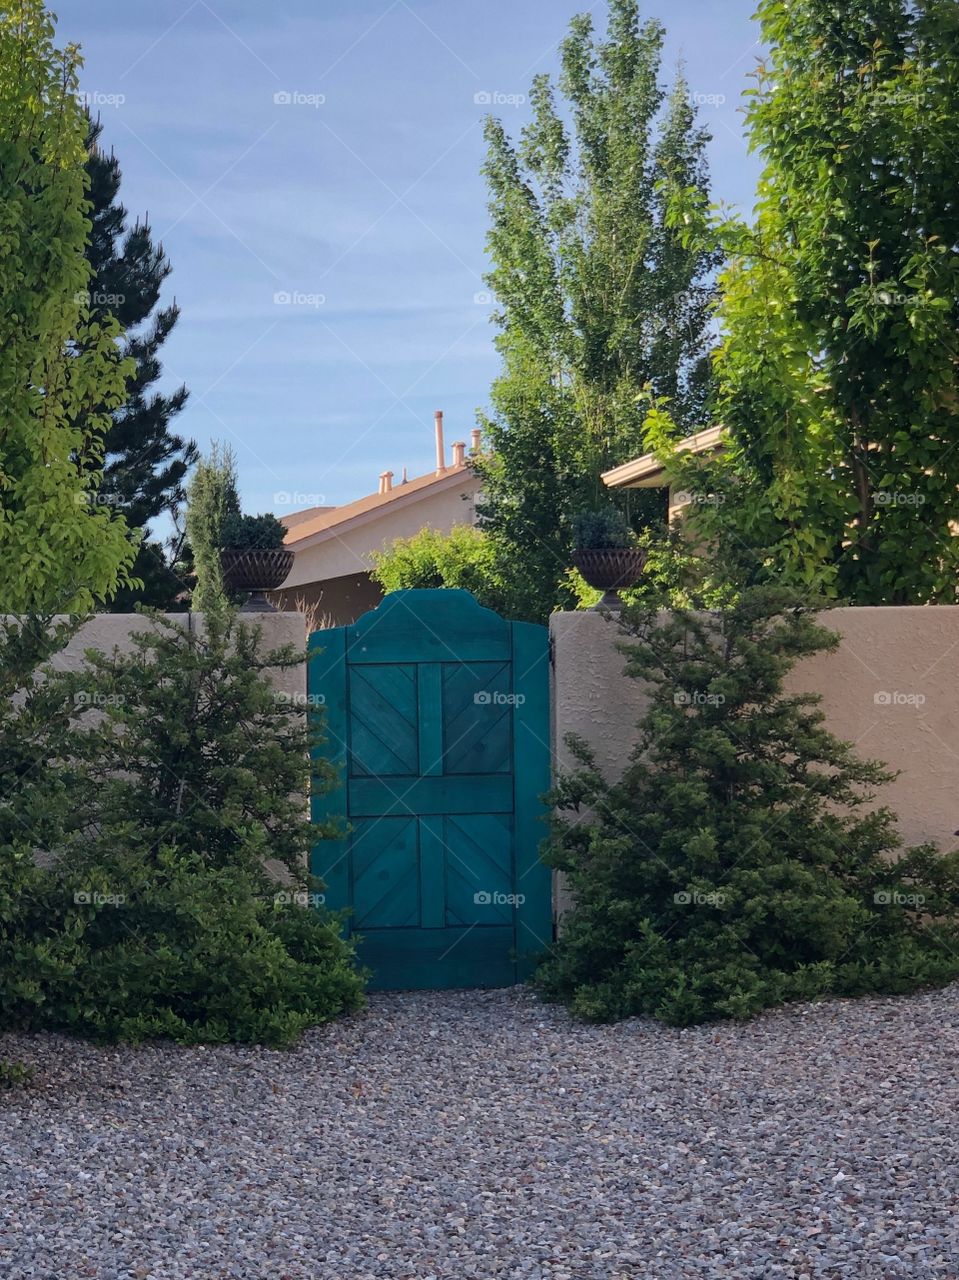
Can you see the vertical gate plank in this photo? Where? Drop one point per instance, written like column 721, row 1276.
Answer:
column 431, row 718
column 531, row 777
column 326, row 681
column 432, row 874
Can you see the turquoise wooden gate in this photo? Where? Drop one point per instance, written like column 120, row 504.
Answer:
column 437, row 722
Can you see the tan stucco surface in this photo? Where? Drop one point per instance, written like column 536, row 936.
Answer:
column 109, row 631
column 892, row 688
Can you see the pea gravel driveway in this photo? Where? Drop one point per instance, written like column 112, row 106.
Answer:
column 481, row 1135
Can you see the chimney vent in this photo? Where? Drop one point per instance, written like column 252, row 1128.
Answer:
column 386, row 482
column 476, row 435
column 459, row 450
column 440, row 451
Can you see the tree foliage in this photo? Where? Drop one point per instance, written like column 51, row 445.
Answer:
column 35, row 809
column 174, row 898
column 837, row 374
column 61, row 369
column 185, row 741
column 261, row 533
column 598, row 296
column 463, row 557
column 739, row 862
column 146, row 461
column 212, row 499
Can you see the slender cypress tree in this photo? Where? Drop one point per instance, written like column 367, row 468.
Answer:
column 146, row 461
column 598, row 296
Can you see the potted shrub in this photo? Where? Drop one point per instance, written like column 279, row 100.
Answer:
column 606, row 553
column 253, row 557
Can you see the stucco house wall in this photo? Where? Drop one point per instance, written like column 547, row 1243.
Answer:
column 330, row 574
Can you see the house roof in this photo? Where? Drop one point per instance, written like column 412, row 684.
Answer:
column 647, row 472
column 297, row 517
column 307, row 528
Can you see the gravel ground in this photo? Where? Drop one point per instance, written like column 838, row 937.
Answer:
column 479, row 1135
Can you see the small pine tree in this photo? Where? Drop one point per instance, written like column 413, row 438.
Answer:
column 187, row 739
column 178, row 900
column 194, row 776
column 737, row 863
column 36, row 803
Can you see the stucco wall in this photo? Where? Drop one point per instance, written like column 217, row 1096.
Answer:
column 109, row 631
column 892, row 688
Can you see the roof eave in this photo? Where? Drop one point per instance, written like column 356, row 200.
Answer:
column 648, row 472
column 398, row 502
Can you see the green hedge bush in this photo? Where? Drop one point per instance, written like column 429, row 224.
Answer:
column 159, row 783
column 737, row 863
column 463, row 558
column 176, row 947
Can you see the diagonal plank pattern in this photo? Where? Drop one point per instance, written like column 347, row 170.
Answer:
column 383, row 720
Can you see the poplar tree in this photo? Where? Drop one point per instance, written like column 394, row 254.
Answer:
column 598, row 296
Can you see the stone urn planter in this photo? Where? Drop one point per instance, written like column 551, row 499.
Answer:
column 257, row 570
column 606, row 555
column 611, row 570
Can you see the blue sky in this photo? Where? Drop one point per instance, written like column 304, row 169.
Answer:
column 361, row 198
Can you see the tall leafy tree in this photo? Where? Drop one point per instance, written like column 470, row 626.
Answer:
column 599, row 296
column 839, row 369
column 146, row 460
column 62, row 371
